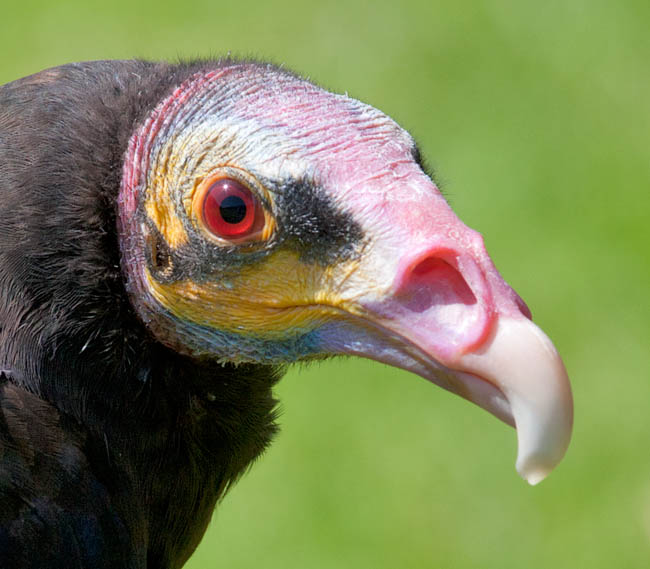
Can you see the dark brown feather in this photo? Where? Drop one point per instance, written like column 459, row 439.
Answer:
column 98, row 422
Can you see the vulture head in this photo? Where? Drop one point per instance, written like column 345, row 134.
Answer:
column 265, row 220
column 174, row 234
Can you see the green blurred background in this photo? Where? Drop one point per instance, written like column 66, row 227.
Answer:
column 536, row 117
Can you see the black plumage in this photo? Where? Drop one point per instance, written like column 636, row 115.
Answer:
column 91, row 405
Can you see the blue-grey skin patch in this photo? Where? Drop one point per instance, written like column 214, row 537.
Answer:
column 245, row 347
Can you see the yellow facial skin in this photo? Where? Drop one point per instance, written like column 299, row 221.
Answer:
column 282, row 293
column 266, row 299
column 160, row 210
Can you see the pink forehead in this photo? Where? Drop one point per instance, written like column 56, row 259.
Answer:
column 327, row 128
column 359, row 153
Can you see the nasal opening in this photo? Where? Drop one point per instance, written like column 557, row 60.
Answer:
column 439, row 298
column 434, row 281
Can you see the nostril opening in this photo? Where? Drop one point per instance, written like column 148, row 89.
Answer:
column 429, row 265
column 434, row 282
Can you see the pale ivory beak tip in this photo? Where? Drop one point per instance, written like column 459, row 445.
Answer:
column 534, row 469
column 521, row 361
column 534, row 477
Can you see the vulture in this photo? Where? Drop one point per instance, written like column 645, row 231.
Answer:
column 172, row 235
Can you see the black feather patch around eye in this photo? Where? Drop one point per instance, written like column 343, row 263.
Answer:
column 310, row 222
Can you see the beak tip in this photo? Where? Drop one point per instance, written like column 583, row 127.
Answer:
column 534, row 467
column 533, row 477
column 542, row 447
column 523, row 363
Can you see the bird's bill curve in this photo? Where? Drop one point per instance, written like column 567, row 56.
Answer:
column 449, row 316
column 426, row 297
column 521, row 362
column 515, row 373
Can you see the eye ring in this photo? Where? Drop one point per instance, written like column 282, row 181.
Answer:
column 229, row 209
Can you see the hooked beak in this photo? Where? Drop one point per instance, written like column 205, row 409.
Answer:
column 516, row 374
column 520, row 361
column 450, row 318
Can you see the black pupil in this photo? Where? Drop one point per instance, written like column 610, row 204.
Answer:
column 233, row 209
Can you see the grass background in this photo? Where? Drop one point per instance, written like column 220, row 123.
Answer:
column 536, row 117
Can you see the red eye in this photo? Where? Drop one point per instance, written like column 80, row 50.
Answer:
column 231, row 210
